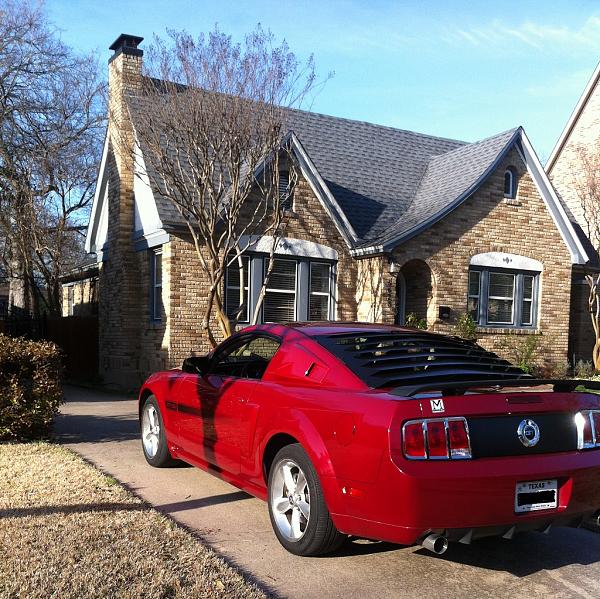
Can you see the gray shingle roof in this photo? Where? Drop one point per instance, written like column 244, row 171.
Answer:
column 386, row 181
column 450, row 178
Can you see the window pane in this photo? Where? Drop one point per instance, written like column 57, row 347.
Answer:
column 527, row 287
column 158, row 268
column 283, row 275
column 319, row 278
column 474, row 276
column 233, row 298
column 157, row 303
column 500, row 311
column 473, row 308
column 501, row 285
column 526, row 312
column 318, row 308
column 508, row 183
column 279, row 307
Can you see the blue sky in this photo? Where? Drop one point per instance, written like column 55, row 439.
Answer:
column 463, row 70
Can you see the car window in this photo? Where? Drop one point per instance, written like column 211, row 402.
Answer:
column 248, row 358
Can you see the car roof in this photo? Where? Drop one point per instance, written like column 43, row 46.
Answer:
column 314, row 329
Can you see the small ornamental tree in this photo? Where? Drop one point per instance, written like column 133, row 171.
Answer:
column 211, row 126
column 587, row 186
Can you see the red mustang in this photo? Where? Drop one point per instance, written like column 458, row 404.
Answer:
column 379, row 432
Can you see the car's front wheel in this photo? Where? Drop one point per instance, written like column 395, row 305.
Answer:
column 154, row 438
column 297, row 508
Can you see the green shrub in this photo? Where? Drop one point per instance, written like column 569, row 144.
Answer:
column 466, row 327
column 30, row 390
column 525, row 351
column 412, row 320
column 584, row 369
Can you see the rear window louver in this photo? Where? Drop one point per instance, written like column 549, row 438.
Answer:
column 384, row 360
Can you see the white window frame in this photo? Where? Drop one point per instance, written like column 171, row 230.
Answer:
column 236, row 288
column 517, row 298
column 512, row 189
column 284, row 291
column 320, row 293
column 154, row 308
column 512, row 299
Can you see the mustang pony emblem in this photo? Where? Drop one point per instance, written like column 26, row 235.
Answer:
column 528, row 432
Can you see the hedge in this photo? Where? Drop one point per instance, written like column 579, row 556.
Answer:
column 30, row 391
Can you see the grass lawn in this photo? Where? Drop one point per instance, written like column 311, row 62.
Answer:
column 68, row 531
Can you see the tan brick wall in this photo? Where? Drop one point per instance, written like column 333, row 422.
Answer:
column 120, row 309
column 485, row 223
column 567, row 173
column 188, row 293
column 85, row 297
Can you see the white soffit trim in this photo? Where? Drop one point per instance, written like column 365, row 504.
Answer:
column 561, row 220
column 311, row 174
column 579, row 107
column 99, row 195
column 288, row 246
column 504, row 260
column 147, row 219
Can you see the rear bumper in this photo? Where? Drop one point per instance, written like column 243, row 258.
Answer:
column 466, row 499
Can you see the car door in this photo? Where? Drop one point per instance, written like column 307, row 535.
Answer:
column 215, row 409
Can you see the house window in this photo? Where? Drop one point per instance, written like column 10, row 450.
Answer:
column 510, row 183
column 280, row 294
column 286, row 197
column 319, row 291
column 236, row 295
column 502, row 298
column 156, row 296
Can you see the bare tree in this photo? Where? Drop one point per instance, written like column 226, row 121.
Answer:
column 586, row 182
column 51, row 119
column 211, row 126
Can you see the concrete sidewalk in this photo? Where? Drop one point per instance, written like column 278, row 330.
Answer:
column 103, row 429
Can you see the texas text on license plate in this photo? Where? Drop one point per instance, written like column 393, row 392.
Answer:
column 536, row 495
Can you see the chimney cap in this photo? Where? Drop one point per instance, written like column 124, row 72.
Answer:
column 126, row 42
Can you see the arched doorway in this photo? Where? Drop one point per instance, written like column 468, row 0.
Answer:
column 415, row 288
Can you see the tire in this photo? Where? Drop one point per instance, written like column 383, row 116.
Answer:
column 154, row 439
column 299, row 534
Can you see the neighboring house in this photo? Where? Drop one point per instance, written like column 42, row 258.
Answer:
column 80, row 290
column 566, row 168
column 385, row 223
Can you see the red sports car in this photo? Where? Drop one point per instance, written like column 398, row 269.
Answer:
column 379, row 432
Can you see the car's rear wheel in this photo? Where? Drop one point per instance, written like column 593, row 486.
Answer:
column 154, row 438
column 297, row 508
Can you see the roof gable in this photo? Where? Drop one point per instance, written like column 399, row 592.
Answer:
column 580, row 107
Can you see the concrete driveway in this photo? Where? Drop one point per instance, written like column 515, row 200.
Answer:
column 103, row 429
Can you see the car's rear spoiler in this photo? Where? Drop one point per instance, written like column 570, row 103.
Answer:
column 460, row 387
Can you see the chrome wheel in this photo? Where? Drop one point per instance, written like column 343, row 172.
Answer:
column 290, row 500
column 150, row 430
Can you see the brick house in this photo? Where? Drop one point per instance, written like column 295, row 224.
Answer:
column 385, row 223
column 80, row 290
column 565, row 168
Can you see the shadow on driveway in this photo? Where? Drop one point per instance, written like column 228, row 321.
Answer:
column 87, row 428
column 527, row 553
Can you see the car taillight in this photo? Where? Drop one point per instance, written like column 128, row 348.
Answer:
column 436, row 439
column 588, row 429
column 437, row 443
column 413, row 440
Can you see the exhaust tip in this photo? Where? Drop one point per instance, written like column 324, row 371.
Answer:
column 435, row 543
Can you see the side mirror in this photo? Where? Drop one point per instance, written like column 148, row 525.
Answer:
column 196, row 365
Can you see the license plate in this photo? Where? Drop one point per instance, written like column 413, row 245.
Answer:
column 536, row 495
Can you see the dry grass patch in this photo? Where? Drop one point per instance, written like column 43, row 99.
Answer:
column 68, row 531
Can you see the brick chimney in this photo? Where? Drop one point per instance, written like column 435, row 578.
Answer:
column 124, row 77
column 120, row 307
